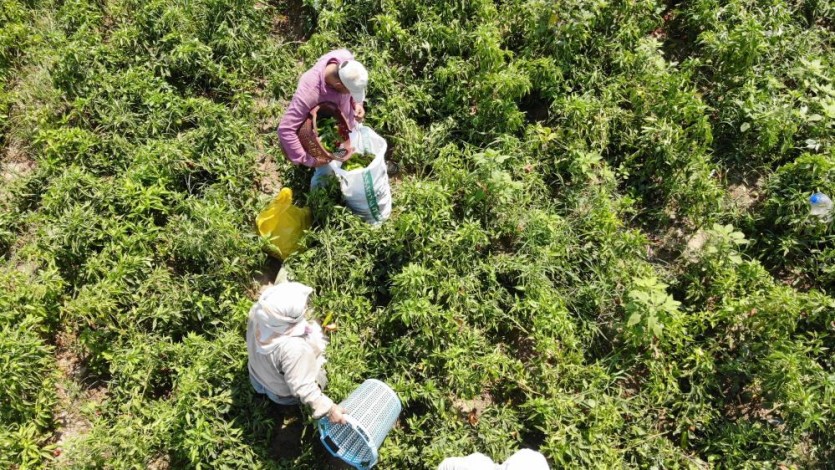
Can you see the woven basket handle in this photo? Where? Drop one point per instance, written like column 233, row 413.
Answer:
column 356, row 426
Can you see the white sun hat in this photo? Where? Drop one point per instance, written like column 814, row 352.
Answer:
column 353, row 75
column 279, row 309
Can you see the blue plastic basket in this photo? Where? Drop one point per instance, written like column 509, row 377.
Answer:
column 372, row 409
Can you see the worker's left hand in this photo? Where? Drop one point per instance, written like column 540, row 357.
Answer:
column 359, row 112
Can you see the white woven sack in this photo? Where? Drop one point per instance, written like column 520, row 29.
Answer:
column 366, row 191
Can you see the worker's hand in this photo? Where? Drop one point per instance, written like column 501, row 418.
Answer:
column 349, row 150
column 337, row 415
column 347, row 146
column 359, row 112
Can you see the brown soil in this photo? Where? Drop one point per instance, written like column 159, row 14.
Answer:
column 746, row 195
column 289, row 20
column 472, row 410
column 14, row 162
column 160, row 462
column 73, row 392
column 695, row 244
column 266, row 109
column 666, row 246
column 269, row 182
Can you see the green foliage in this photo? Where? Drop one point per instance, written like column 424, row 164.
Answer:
column 719, row 271
column 25, row 446
column 27, row 367
column 531, row 289
column 650, row 310
column 767, row 74
column 27, row 376
column 14, row 33
column 792, row 239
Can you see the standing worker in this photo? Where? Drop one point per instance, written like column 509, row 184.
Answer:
column 336, row 78
column 286, row 352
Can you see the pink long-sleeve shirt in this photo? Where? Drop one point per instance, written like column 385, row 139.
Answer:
column 311, row 91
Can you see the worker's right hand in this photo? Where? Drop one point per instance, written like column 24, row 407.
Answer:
column 359, row 112
column 337, row 415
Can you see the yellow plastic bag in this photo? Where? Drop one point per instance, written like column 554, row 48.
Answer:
column 284, row 223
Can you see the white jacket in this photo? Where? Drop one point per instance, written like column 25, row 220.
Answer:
column 290, row 370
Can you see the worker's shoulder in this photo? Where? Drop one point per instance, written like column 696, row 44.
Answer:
column 339, row 54
column 310, row 79
column 294, row 347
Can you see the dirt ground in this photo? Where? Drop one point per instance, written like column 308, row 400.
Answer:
column 74, row 389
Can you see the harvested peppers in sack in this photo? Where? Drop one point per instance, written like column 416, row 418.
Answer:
column 358, row 160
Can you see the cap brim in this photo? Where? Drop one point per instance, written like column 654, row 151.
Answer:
column 359, row 97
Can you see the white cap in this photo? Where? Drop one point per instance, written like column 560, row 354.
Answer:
column 353, row 75
column 475, row 461
column 525, row 459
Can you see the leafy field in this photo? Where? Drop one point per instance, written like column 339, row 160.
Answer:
column 600, row 244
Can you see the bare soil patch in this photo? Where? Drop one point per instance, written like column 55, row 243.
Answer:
column 472, row 409
column 268, row 182
column 73, row 392
column 14, row 162
column 160, row 462
column 695, row 244
column 745, row 195
column 666, row 246
column 291, row 20
column 14, row 170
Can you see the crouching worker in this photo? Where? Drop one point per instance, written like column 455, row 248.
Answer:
column 286, row 351
column 336, row 78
